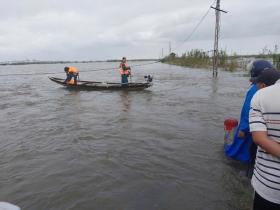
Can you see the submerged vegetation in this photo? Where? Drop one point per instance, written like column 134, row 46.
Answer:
column 272, row 55
column 200, row 59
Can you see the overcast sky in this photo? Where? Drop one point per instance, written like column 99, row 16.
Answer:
column 110, row 29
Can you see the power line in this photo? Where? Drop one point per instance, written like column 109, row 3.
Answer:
column 113, row 68
column 26, row 74
column 198, row 24
column 89, row 70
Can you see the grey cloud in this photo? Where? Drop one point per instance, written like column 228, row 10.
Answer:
column 78, row 29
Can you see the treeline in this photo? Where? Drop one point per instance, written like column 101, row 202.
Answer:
column 144, row 59
column 29, row 62
column 200, row 59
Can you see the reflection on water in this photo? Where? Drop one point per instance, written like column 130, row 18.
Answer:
column 125, row 99
column 214, row 85
column 161, row 148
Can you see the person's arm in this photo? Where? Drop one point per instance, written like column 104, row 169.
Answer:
column 241, row 134
column 258, row 127
column 269, row 145
column 126, row 67
column 244, row 118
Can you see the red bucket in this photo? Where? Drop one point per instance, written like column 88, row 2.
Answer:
column 230, row 126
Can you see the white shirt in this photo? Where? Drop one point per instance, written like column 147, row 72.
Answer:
column 265, row 116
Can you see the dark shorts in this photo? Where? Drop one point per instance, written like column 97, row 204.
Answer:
column 124, row 80
column 262, row 204
column 70, row 76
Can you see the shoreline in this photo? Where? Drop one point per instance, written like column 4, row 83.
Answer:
column 7, row 63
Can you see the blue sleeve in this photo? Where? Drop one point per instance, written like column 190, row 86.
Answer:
column 244, row 118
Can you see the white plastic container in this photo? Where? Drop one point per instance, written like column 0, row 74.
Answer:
column 8, row 206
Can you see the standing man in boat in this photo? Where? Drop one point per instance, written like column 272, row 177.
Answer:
column 124, row 71
column 71, row 75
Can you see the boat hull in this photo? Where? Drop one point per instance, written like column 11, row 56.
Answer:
column 92, row 85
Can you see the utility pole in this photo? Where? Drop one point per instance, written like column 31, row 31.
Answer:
column 216, row 41
column 162, row 52
column 169, row 47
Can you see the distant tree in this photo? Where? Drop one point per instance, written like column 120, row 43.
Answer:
column 172, row 55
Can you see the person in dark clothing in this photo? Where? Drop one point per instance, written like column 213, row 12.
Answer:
column 71, row 75
column 242, row 147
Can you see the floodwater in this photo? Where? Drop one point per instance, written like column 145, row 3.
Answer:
column 157, row 149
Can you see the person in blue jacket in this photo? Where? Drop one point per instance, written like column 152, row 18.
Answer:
column 242, row 147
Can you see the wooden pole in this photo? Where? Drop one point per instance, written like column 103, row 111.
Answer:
column 216, row 41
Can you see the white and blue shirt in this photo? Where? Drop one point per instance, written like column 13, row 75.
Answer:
column 265, row 116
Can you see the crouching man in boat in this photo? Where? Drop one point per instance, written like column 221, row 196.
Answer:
column 124, row 71
column 71, row 75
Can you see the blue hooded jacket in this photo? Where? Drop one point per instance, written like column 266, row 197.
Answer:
column 240, row 149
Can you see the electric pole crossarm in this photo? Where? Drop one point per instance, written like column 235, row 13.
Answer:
column 219, row 9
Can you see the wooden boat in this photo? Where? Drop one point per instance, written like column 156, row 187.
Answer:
column 92, row 85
